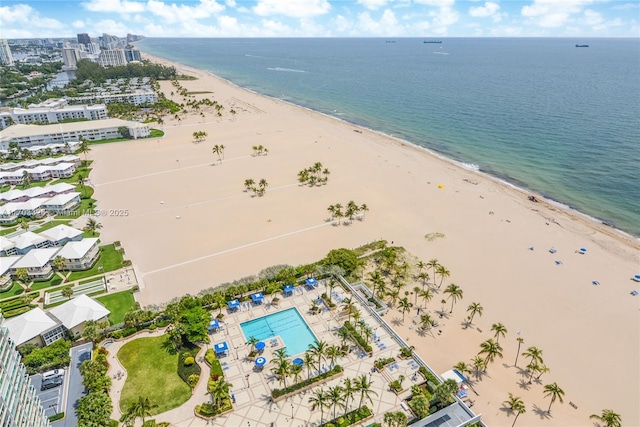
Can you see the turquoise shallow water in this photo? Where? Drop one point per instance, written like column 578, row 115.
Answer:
column 288, row 324
column 539, row 113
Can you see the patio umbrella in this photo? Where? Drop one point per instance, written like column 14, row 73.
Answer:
column 637, row 277
column 260, row 361
column 260, row 345
column 298, row 361
column 221, row 347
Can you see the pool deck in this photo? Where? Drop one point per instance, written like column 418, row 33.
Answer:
column 252, row 389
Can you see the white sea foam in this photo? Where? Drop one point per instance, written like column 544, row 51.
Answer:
column 470, row 166
column 290, row 70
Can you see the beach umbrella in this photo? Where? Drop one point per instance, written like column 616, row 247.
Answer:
column 636, row 277
column 583, row 249
column 261, row 361
column 298, row 361
column 260, row 345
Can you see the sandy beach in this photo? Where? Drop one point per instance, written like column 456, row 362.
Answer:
column 191, row 226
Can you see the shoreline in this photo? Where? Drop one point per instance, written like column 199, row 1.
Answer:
column 187, row 241
column 601, row 224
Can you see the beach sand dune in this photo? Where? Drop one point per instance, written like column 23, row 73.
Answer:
column 192, row 226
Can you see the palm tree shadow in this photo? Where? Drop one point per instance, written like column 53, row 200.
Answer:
column 504, row 408
column 522, row 372
column 524, row 384
column 396, row 321
column 542, row 413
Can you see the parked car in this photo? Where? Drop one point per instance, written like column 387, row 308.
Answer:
column 53, row 374
column 51, row 383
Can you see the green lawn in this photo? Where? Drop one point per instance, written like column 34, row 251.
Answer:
column 14, row 290
column 152, row 373
column 54, row 281
column 110, row 259
column 118, row 304
column 6, row 231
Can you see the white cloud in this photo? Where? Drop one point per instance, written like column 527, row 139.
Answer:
column 110, row 26
column 119, row 6
column 230, row 3
column 625, row 6
column 592, row 17
column 489, row 10
column 292, row 8
column 78, row 24
column 373, row 4
column 553, row 13
column 437, row 3
column 22, row 21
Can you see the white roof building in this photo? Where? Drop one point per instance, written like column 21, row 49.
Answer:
column 36, row 258
column 61, row 232
column 6, row 262
column 27, row 239
column 77, row 250
column 6, row 245
column 80, row 309
column 29, row 325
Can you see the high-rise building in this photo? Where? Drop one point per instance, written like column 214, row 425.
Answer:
column 132, row 54
column 5, row 53
column 109, row 41
column 70, row 57
column 83, row 38
column 112, row 57
column 19, row 404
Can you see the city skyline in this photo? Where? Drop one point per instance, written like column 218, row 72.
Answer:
column 320, row 18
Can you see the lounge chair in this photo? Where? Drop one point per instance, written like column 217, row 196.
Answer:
column 595, row 282
column 558, row 262
column 634, row 292
column 553, row 250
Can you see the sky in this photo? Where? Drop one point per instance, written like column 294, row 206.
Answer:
column 321, row 18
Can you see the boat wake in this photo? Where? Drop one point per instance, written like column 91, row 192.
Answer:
column 290, row 70
column 440, row 53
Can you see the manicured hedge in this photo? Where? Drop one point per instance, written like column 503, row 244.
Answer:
column 356, row 336
column 184, row 371
column 216, row 368
column 208, row 410
column 56, row 417
column 275, row 393
column 351, row 418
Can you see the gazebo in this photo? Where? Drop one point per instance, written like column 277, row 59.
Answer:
column 311, row 283
column 288, row 290
column 257, row 298
column 233, row 305
column 221, row 348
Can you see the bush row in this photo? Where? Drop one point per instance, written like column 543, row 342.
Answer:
column 185, row 370
column 357, row 337
column 208, row 410
column 351, row 418
column 275, row 393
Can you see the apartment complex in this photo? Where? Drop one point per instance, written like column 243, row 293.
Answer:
column 19, row 404
column 139, row 97
column 52, row 111
column 93, row 130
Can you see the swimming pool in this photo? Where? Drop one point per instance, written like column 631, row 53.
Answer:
column 288, row 324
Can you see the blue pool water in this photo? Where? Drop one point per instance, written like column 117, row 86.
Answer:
column 288, row 324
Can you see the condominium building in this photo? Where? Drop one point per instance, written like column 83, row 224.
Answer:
column 83, row 38
column 70, row 57
column 5, row 53
column 132, row 54
column 93, row 130
column 52, row 111
column 19, row 403
column 112, row 57
column 137, row 97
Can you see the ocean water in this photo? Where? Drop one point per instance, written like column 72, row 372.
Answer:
column 538, row 113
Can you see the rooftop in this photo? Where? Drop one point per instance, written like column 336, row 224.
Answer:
column 75, row 250
column 29, row 325
column 25, row 131
column 80, row 309
column 36, row 258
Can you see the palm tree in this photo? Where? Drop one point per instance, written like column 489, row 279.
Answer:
column 248, row 184
column 333, row 352
column 308, row 361
column 140, row 409
column 455, row 293
column 444, row 390
column 349, row 390
column 84, row 147
column 426, row 322
column 404, row 306
column 462, row 367
column 363, row 208
column 319, row 400
column 499, row 330
column 520, row 341
column 478, row 363
column 252, row 341
column 609, row 418
column 67, row 292
column 474, row 308
column 217, row 150
column 363, row 386
column 282, row 368
column 491, row 349
column 534, row 354
column 433, row 264
column 318, row 350
column 81, row 182
column 533, row 367
column 423, row 276
column 377, row 280
column 348, row 306
column 263, row 186
column 443, row 272
column 26, row 179
column 219, row 390
column 516, row 404
column 336, row 397
column 416, row 292
column 554, row 392
column 92, row 226
column 295, row 370
column 23, row 223
column 337, row 212
column 426, row 296
column 542, row 369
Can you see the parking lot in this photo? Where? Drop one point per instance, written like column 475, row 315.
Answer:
column 51, row 399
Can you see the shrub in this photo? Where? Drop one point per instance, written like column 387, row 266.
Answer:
column 405, row 352
column 193, row 380
column 52, row 356
column 275, row 393
column 188, row 361
column 56, row 417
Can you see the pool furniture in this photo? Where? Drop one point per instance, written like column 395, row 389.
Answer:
column 233, row 305
column 288, row 290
